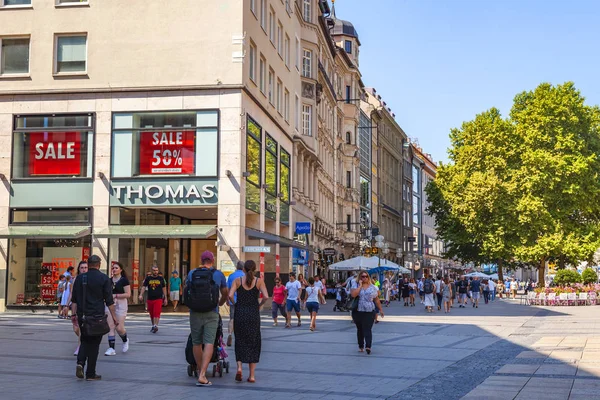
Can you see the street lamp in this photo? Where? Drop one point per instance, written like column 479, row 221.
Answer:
column 382, row 246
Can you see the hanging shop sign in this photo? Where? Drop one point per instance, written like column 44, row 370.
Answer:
column 329, row 252
column 54, row 153
column 167, row 153
column 200, row 192
column 302, row 228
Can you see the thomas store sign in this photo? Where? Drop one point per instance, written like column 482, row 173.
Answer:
column 164, row 193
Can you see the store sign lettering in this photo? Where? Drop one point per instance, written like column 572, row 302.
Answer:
column 167, row 192
column 55, row 153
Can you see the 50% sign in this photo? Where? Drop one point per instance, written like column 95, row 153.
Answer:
column 167, row 153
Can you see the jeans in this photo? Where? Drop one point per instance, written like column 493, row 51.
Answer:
column 486, row 296
column 439, row 299
column 493, row 294
column 364, row 328
column 90, row 346
column 275, row 307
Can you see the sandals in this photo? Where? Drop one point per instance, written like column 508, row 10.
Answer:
column 238, row 377
column 207, row 383
column 251, row 380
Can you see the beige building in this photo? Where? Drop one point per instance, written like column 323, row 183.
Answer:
column 147, row 140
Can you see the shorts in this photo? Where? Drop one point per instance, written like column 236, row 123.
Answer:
column 462, row 296
column 155, row 307
column 292, row 305
column 421, row 293
column 411, row 292
column 476, row 295
column 204, row 327
column 277, row 307
column 312, row 307
column 174, row 295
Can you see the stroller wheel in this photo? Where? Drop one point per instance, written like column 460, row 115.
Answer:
column 190, row 370
column 214, row 370
column 227, row 366
column 221, row 372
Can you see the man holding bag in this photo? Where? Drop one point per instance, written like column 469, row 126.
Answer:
column 91, row 292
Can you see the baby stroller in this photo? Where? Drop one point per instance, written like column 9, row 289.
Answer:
column 219, row 357
column 341, row 298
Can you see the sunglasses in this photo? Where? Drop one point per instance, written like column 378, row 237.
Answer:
column 364, row 276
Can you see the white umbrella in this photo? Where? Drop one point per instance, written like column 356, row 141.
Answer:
column 494, row 276
column 477, row 274
column 362, row 262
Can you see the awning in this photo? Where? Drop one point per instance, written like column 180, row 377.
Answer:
column 45, row 232
column 157, row 231
column 270, row 238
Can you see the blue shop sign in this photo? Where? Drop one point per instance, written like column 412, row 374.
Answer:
column 299, row 257
column 302, row 228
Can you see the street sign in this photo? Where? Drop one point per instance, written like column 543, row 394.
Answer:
column 302, row 228
column 329, row 252
column 257, row 249
column 411, row 239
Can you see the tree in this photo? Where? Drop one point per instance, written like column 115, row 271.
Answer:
column 567, row 277
column 589, row 276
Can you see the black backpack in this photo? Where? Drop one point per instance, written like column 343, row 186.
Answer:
column 428, row 286
column 202, row 292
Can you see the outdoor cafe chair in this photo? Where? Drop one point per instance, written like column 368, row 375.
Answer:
column 572, row 299
column 531, row 298
column 563, row 299
column 541, row 299
column 583, row 298
column 593, row 298
column 551, row 300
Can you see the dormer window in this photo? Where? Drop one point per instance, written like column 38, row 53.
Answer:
column 348, row 46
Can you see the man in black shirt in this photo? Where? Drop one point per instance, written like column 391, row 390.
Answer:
column 98, row 290
column 156, row 287
column 462, row 286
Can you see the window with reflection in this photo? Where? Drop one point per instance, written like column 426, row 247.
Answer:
column 253, row 164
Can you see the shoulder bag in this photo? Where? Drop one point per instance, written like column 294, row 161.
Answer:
column 96, row 325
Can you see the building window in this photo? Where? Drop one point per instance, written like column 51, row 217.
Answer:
column 71, row 54
column 262, row 74
column 348, row 222
column 286, row 106
column 253, row 164
column 348, row 138
column 306, row 10
column 263, row 14
column 272, row 26
column 15, row 3
column 348, row 179
column 286, row 49
column 306, row 120
column 307, row 63
column 297, row 54
column 279, row 97
column 348, row 46
column 52, row 146
column 297, row 113
column 271, row 78
column 59, row 2
column 14, row 55
column 348, row 94
column 284, row 176
column 252, row 60
column 279, row 38
column 172, row 143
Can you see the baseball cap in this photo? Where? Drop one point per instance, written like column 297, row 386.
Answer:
column 207, row 256
column 175, row 272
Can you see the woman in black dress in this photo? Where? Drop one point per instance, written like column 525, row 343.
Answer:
column 246, row 321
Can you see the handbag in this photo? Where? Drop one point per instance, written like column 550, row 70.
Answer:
column 92, row 325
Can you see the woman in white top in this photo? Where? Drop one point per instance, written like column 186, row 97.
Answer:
column 121, row 292
column 314, row 297
column 363, row 315
column 65, row 301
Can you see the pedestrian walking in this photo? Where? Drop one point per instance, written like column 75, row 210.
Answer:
column 303, row 285
column 174, row 289
column 463, row 287
column 92, row 292
column 65, row 301
column 475, row 289
column 121, row 290
column 204, row 293
column 429, row 290
column 368, row 301
column 405, row 292
column 421, row 291
column 293, row 289
column 412, row 289
column 438, row 291
column 278, row 303
column 492, row 288
column 447, row 295
column 513, row 288
column 60, row 289
column 453, row 291
column 248, row 339
column 387, row 291
column 156, row 289
column 314, row 298
column 82, row 268
column 500, row 289
column 239, row 272
column 485, row 286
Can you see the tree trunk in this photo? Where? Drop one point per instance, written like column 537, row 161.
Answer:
column 561, row 261
column 500, row 272
column 542, row 273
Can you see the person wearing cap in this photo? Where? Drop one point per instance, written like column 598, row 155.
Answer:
column 292, row 290
column 174, row 288
column 204, row 325
column 230, row 279
column 98, row 296
column 156, row 287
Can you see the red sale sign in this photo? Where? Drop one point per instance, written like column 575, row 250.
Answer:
column 55, row 153
column 167, row 152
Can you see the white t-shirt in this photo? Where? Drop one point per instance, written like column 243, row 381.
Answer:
column 492, row 285
column 319, row 285
column 293, row 289
column 313, row 294
column 438, row 286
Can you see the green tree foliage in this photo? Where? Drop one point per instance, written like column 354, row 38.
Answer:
column 523, row 188
column 567, row 277
column 589, row 276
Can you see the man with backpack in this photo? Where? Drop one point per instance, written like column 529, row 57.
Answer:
column 205, row 291
column 429, row 289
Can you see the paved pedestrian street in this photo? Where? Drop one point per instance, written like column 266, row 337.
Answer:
column 500, row 351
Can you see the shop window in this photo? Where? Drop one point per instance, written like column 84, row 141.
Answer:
column 16, row 2
column 71, row 54
column 178, row 143
column 55, row 146
column 48, row 216
column 14, row 55
column 284, row 185
column 270, row 177
column 253, row 164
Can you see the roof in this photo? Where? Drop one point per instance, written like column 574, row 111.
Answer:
column 342, row 27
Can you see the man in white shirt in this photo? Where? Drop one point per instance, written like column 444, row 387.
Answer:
column 492, row 287
column 438, row 291
column 292, row 291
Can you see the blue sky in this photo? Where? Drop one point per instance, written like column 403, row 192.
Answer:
column 438, row 63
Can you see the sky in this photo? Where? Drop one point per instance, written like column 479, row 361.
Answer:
column 438, row 63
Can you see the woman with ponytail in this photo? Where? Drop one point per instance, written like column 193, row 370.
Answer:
column 246, row 322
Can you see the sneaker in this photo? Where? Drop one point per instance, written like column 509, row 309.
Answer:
column 93, row 378
column 299, row 323
column 79, row 371
column 275, row 324
column 155, row 329
column 152, row 329
column 110, row 352
column 125, row 346
column 76, row 352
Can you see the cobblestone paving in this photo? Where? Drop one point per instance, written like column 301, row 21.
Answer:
column 502, row 350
